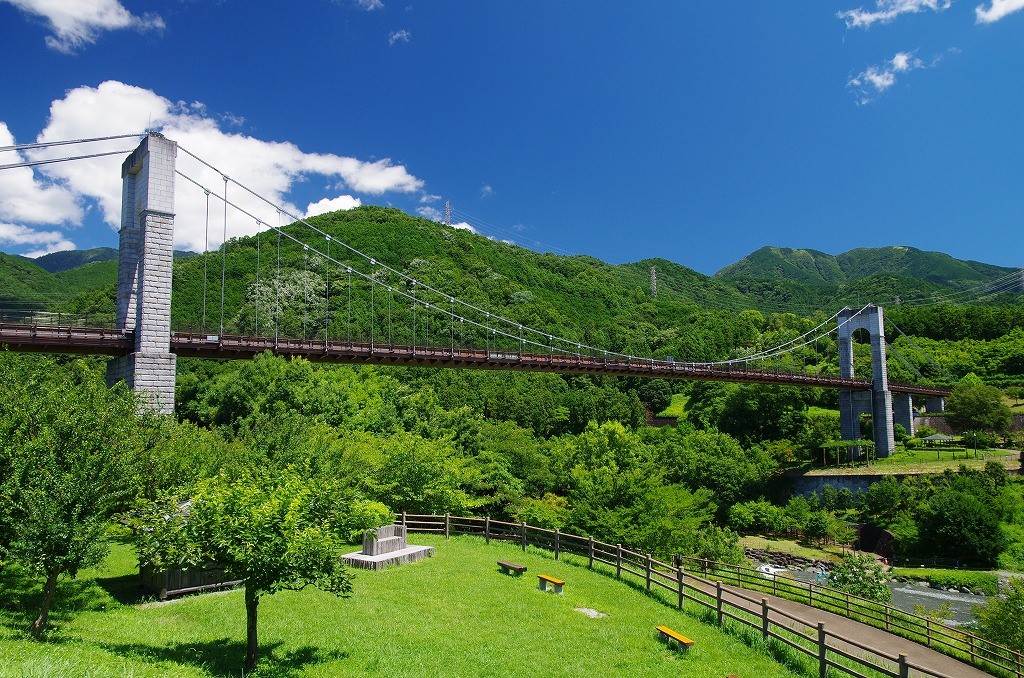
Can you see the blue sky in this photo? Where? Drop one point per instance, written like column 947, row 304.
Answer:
column 694, row 131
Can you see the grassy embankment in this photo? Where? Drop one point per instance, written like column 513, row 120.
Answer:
column 453, row 614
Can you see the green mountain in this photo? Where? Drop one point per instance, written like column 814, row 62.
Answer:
column 580, row 298
column 883, row 275
column 782, row 263
column 68, row 259
column 24, row 285
column 811, row 266
column 543, row 290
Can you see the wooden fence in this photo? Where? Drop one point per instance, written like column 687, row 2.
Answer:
column 705, row 589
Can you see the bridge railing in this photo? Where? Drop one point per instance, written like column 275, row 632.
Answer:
column 705, row 589
column 40, row 318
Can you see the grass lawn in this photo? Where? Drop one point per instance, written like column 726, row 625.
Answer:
column 453, row 614
column 924, row 461
column 676, row 408
column 792, row 547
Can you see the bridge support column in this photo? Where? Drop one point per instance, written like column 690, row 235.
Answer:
column 903, row 411
column 935, row 405
column 879, row 399
column 144, row 272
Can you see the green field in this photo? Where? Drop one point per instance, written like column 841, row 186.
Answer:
column 453, row 614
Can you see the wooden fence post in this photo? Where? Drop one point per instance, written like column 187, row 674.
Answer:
column 928, row 632
column 810, row 595
column 886, row 617
column 739, row 579
column 556, row 543
column 904, row 667
column 970, row 644
column 679, row 578
column 404, row 521
column 822, row 648
column 718, row 601
column 847, row 604
column 524, row 535
column 618, row 561
column 764, row 618
column 590, row 548
column 648, row 570
column 487, row 530
column 447, row 525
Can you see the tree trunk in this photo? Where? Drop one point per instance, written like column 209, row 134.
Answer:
column 39, row 625
column 251, row 603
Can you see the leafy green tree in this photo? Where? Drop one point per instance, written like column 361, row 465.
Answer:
column 419, row 476
column 68, row 447
column 548, row 512
column 1000, row 618
column 817, row 524
column 977, row 407
column 859, row 574
column 717, row 462
column 963, row 524
column 273, row 532
column 716, row 543
column 753, row 413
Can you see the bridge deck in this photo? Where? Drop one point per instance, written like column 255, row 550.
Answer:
column 105, row 341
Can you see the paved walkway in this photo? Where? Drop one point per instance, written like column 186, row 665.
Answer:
column 840, row 627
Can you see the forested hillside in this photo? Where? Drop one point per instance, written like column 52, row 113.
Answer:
column 692, row 318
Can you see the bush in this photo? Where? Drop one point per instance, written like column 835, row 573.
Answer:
column 1000, row 618
column 986, row 581
column 859, row 574
column 365, row 514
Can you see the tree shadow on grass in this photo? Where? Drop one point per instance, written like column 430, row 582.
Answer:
column 21, row 598
column 225, row 656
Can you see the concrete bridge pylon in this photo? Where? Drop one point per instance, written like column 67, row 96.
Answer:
column 878, row 402
column 144, row 272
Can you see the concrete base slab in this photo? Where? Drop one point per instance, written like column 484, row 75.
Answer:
column 409, row 554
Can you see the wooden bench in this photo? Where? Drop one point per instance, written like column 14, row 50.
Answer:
column 544, row 580
column 511, row 568
column 669, row 635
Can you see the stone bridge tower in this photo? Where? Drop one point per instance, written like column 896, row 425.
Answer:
column 144, row 272
column 878, row 401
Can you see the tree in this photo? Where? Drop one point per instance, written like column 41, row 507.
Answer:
column 978, row 407
column 753, row 413
column 67, row 450
column 1000, row 618
column 273, row 532
column 859, row 574
column 962, row 523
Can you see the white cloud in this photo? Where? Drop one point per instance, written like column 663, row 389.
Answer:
column 486, row 191
column 269, row 168
column 399, row 36
column 76, row 23
column 18, row 235
column 430, row 213
column 342, row 202
column 887, row 10
column 370, row 5
column 25, row 199
column 463, row 226
column 427, row 197
column 998, row 10
column 875, row 80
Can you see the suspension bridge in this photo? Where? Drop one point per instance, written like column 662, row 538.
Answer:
column 363, row 324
